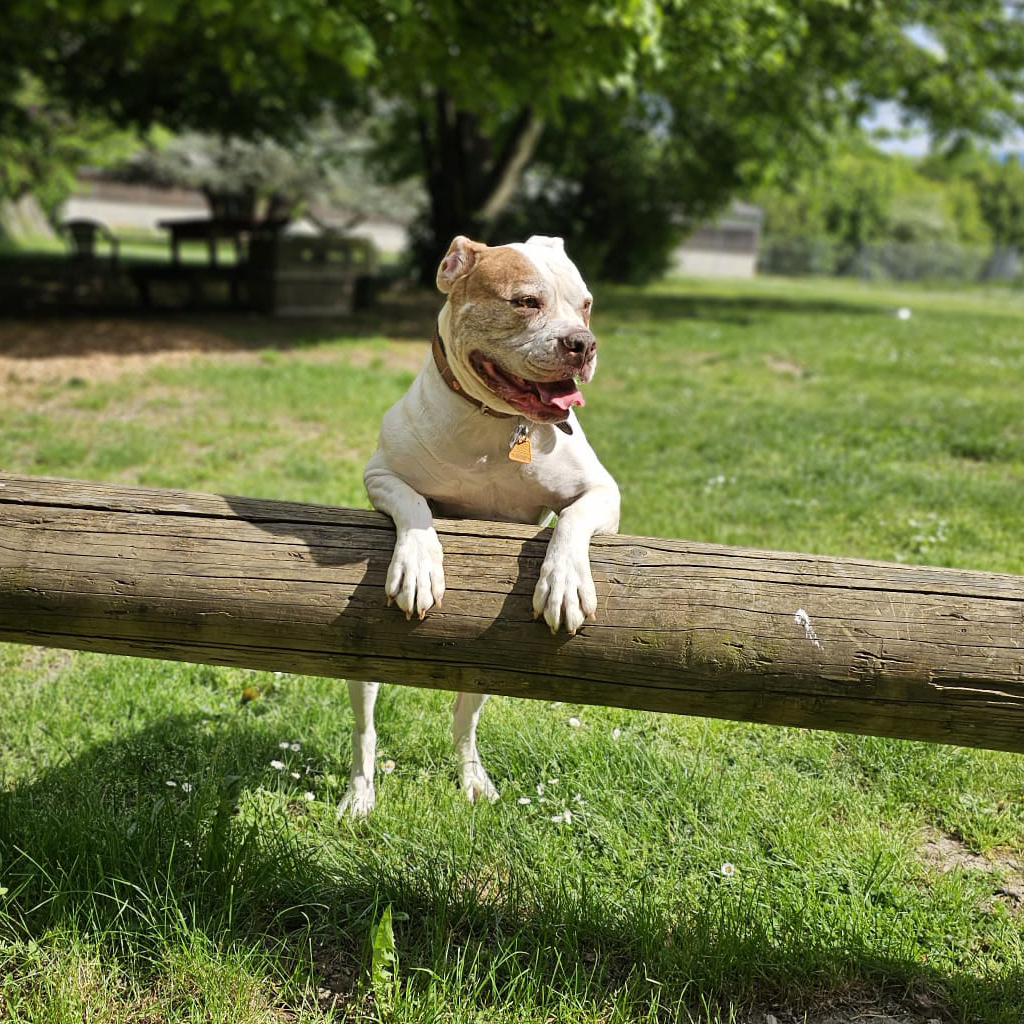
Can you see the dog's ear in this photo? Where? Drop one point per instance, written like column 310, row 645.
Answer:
column 550, row 241
column 458, row 261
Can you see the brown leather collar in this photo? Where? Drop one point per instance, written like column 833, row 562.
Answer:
column 448, row 376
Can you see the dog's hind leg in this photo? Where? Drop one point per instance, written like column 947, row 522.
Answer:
column 359, row 798
column 474, row 780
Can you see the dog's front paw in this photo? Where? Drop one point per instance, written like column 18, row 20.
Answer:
column 565, row 592
column 416, row 576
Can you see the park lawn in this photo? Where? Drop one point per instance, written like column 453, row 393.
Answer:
column 168, row 847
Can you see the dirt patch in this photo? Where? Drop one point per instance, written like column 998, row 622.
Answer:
column 844, row 1015
column 335, row 973
column 945, row 853
column 116, row 338
column 46, row 663
column 396, row 355
column 62, row 353
column 82, row 351
column 786, row 368
column 861, row 1003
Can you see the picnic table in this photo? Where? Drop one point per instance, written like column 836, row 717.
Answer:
column 214, row 229
column 198, row 277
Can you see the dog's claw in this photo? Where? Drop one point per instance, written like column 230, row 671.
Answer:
column 415, row 580
column 564, row 595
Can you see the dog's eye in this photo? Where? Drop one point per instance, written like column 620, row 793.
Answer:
column 526, row 302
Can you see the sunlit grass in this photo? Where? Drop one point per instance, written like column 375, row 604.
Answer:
column 169, row 851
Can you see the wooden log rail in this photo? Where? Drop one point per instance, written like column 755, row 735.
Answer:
column 697, row 629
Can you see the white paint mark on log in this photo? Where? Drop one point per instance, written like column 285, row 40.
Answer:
column 803, row 619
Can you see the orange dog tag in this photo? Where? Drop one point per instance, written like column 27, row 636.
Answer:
column 519, row 447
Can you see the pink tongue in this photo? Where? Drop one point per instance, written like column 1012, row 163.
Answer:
column 563, row 399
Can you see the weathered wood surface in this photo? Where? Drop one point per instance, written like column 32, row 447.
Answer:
column 830, row 643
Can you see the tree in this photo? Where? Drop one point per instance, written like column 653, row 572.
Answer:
column 739, row 89
column 727, row 95
column 474, row 87
column 998, row 184
column 231, row 67
column 323, row 172
column 42, row 143
column 860, row 201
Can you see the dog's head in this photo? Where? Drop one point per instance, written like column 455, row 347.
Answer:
column 516, row 325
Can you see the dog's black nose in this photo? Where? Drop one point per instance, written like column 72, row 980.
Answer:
column 579, row 343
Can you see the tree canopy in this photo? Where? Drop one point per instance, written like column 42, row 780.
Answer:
column 468, row 96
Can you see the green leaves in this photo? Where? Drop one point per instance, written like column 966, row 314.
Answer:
column 459, row 90
column 383, row 960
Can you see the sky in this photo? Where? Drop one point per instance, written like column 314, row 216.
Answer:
column 913, row 139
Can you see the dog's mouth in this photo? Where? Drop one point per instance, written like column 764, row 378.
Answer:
column 544, row 401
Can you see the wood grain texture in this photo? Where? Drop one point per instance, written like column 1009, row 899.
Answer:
column 697, row 629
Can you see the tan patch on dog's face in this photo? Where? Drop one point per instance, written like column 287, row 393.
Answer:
column 509, row 299
column 501, row 275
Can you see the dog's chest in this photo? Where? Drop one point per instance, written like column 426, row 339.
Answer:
column 488, row 486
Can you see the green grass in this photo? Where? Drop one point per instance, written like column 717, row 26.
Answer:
column 133, row 244
column 788, row 415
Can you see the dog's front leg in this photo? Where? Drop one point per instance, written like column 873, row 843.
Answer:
column 415, row 577
column 565, row 591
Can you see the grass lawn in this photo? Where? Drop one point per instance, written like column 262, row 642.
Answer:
column 133, row 244
column 168, row 846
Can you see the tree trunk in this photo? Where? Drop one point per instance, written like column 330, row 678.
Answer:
column 471, row 177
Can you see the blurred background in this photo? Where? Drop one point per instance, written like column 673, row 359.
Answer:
column 218, row 152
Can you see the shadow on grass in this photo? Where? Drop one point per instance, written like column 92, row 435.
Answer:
column 741, row 310
column 407, row 317
column 400, row 316
column 103, row 845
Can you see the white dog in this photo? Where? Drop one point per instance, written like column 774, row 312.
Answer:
column 487, row 431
